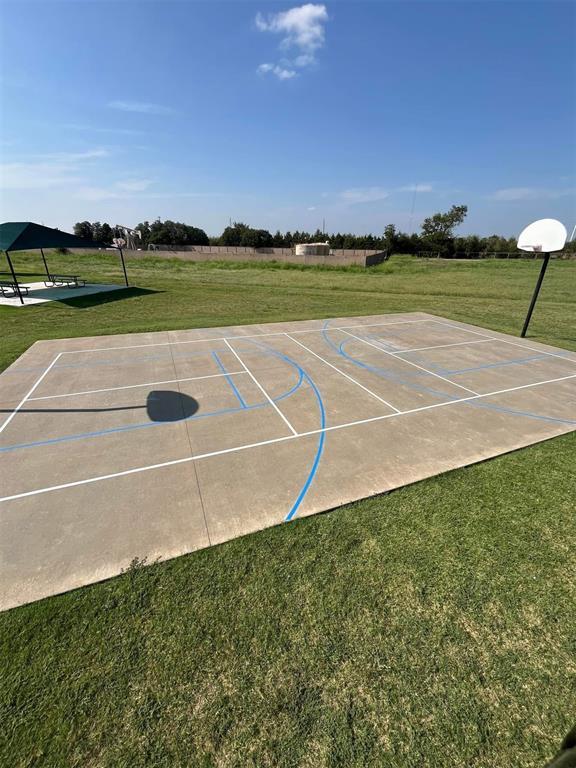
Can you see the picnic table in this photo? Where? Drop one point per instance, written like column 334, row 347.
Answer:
column 70, row 281
column 9, row 288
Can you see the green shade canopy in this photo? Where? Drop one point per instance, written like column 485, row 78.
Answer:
column 27, row 236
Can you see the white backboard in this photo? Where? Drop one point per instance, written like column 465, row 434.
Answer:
column 545, row 235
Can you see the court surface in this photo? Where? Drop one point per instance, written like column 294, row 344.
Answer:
column 152, row 445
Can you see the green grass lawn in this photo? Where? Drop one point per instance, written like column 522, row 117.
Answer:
column 432, row 627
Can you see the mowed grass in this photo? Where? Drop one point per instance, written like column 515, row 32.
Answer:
column 434, row 626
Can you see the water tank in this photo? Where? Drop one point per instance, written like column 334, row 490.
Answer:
column 313, row 249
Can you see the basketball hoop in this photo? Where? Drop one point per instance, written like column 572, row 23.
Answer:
column 550, row 235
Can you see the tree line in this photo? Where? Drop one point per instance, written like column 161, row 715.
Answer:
column 436, row 236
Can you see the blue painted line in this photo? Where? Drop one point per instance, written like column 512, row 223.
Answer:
column 321, row 438
column 472, row 403
column 383, row 372
column 514, row 412
column 145, row 425
column 229, row 380
column 317, row 457
column 518, row 361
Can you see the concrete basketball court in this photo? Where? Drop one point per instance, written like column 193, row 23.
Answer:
column 152, row 445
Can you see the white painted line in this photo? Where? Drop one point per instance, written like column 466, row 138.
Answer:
column 147, row 468
column 459, row 328
column 135, row 386
column 236, row 338
column 368, row 325
column 409, row 362
column 342, row 373
column 441, row 346
column 272, row 441
column 538, row 351
column 514, row 343
column 261, row 388
column 21, row 403
column 436, row 405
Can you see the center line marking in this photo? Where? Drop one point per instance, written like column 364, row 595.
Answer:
column 261, row 388
column 409, row 362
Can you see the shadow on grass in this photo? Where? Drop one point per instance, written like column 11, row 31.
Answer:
column 106, row 297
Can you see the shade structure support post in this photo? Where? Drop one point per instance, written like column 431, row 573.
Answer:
column 18, row 291
column 123, row 267
column 535, row 294
column 45, row 264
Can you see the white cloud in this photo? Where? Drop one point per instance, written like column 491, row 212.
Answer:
column 119, row 189
column 45, row 171
column 417, row 188
column 281, row 72
column 302, row 29
column 71, row 170
column 34, row 175
column 99, row 129
column 134, row 185
column 512, row 194
column 311, row 208
column 75, row 157
column 141, row 107
column 96, row 193
column 364, row 194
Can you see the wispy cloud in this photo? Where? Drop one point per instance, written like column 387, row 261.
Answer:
column 34, row 175
column 282, row 73
column 134, row 185
column 512, row 194
column 119, row 189
column 302, row 30
column 417, row 188
column 364, row 194
column 49, row 170
column 141, row 107
column 73, row 170
column 101, row 129
column 77, row 157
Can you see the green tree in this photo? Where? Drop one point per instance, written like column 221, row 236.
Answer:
column 437, row 230
column 96, row 230
column 176, row 233
column 248, row 237
column 390, row 238
column 441, row 225
column 106, row 234
column 144, row 228
column 257, row 238
column 83, row 229
column 233, row 235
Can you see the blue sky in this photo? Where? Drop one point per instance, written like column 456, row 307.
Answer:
column 282, row 114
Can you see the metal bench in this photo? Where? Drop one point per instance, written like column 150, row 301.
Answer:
column 8, row 288
column 70, row 281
